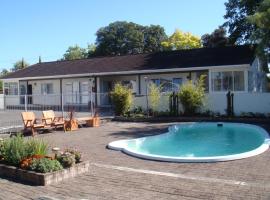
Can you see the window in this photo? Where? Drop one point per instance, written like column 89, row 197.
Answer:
column 11, row 88
column 229, row 80
column 156, row 81
column 177, row 82
column 168, row 85
column 239, row 81
column 46, row 88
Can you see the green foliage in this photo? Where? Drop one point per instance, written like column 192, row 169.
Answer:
column 66, row 159
column 180, row 40
column 45, row 165
column 21, row 64
column 75, row 52
column 36, row 147
column 154, row 35
column 121, row 98
column 16, row 149
column 91, row 50
column 217, row 38
column 192, row 96
column 154, row 95
column 239, row 28
column 76, row 153
column 121, row 38
column 261, row 35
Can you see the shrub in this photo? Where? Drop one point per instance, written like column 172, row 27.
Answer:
column 15, row 149
column 76, row 153
column 45, row 165
column 192, row 96
column 66, row 159
column 121, row 98
column 36, row 147
column 154, row 96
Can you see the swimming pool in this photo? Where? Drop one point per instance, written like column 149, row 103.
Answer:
column 199, row 142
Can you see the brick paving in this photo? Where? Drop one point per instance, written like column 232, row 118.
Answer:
column 115, row 175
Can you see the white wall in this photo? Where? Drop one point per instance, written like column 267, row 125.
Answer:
column 243, row 102
column 217, row 102
column 1, row 101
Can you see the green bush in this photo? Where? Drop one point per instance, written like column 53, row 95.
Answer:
column 45, row 165
column 121, row 98
column 154, row 96
column 15, row 149
column 66, row 159
column 192, row 96
column 36, row 147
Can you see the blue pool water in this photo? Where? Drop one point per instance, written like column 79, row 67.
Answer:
column 199, row 142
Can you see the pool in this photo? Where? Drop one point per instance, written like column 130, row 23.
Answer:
column 199, row 142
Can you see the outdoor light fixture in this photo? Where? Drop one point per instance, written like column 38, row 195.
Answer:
column 55, row 150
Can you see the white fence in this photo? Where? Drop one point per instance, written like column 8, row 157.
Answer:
column 1, row 101
column 217, row 102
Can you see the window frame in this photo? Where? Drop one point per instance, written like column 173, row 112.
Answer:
column 45, row 90
column 243, row 71
column 11, row 86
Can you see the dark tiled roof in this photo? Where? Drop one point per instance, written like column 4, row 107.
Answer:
column 151, row 61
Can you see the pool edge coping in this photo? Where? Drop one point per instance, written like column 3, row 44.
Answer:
column 119, row 145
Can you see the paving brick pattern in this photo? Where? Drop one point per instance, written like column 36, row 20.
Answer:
column 241, row 179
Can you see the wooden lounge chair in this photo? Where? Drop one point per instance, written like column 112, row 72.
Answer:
column 53, row 121
column 31, row 122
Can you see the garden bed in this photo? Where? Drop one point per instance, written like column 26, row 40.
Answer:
column 191, row 119
column 43, row 179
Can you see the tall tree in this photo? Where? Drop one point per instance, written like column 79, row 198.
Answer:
column 217, row 38
column 4, row 72
column 240, row 30
column 91, row 50
column 74, row 52
column 153, row 36
column 120, row 38
column 21, row 64
column 261, row 19
column 180, row 40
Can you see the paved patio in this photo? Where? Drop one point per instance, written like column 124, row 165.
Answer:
column 115, row 175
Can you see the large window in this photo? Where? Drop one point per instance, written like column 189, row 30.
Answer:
column 229, row 80
column 11, row 88
column 46, row 88
column 168, row 85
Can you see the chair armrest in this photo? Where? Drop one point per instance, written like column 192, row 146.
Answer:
column 58, row 119
column 28, row 123
column 44, row 120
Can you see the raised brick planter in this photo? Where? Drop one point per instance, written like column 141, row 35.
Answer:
column 35, row 178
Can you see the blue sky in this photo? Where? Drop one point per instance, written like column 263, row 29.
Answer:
column 30, row 28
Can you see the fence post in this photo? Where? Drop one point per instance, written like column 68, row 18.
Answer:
column 91, row 102
column 62, row 104
column 25, row 102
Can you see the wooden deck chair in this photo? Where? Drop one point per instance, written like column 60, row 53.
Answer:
column 31, row 122
column 53, row 121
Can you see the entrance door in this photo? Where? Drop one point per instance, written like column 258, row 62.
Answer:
column 106, row 88
column 29, row 93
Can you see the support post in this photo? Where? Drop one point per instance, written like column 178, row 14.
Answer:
column 25, row 102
